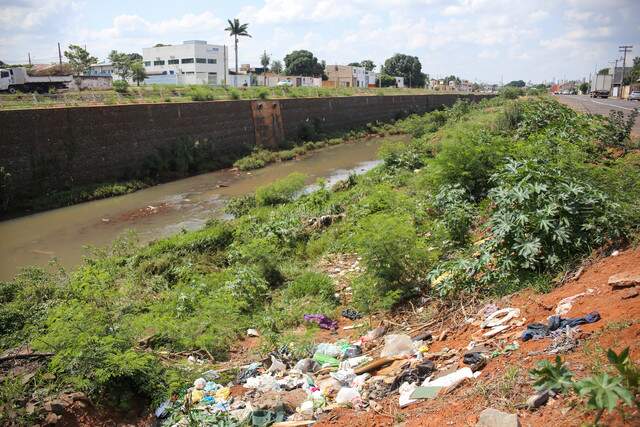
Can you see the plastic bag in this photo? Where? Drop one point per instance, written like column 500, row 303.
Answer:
column 397, row 345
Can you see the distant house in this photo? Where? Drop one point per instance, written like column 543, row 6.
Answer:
column 271, row 80
column 103, row 69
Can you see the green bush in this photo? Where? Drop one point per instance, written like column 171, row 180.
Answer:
column 120, row 86
column 392, row 252
column 452, row 203
column 240, row 205
column 311, row 284
column 201, row 93
column 542, row 216
column 510, row 92
column 281, row 191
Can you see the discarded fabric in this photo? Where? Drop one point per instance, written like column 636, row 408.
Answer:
column 323, row 321
column 351, row 314
column 538, row 330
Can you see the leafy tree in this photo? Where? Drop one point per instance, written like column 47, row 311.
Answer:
column 121, row 63
column 236, row 29
column 303, row 63
column 368, row 64
column 584, row 87
column 516, row 83
column 385, row 80
column 603, row 72
column 634, row 75
column 405, row 66
column 264, row 60
column 134, row 57
column 276, row 67
column 138, row 73
column 79, row 59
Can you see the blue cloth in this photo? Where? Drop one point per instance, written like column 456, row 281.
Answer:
column 538, row 330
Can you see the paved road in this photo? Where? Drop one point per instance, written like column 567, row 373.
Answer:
column 601, row 106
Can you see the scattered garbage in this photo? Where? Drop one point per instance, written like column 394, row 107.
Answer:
column 425, row 392
column 539, row 330
column 374, row 334
column 538, row 400
column 565, row 304
column 624, row 280
column 397, row 345
column 452, row 379
column 351, row 314
column 252, row 333
column 323, row 321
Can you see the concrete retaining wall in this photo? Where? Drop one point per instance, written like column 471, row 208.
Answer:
column 55, row 149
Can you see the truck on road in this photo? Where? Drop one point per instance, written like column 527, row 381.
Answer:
column 601, row 86
column 17, row 79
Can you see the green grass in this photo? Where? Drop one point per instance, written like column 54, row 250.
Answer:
column 183, row 93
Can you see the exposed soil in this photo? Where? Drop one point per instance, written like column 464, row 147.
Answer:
column 503, row 383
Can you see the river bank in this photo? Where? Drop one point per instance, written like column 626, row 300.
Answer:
column 161, row 210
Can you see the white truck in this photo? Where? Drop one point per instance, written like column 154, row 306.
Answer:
column 17, row 79
column 601, row 86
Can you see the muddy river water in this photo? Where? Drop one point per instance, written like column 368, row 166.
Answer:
column 159, row 211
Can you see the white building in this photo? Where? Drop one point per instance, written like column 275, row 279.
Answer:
column 192, row 62
column 103, row 69
column 399, row 81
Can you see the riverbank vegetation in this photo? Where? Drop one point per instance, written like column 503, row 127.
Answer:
column 484, row 200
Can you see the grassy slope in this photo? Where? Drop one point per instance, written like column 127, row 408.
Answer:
column 413, row 220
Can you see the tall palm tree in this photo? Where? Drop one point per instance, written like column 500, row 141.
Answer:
column 236, row 29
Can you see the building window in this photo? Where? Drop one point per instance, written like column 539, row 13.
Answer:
column 212, row 61
column 171, row 72
column 187, row 60
column 147, row 63
column 201, row 61
column 189, row 72
column 158, row 62
column 173, row 61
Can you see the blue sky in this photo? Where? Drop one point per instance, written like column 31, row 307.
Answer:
column 483, row 40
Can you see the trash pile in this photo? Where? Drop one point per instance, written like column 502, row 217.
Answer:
column 281, row 391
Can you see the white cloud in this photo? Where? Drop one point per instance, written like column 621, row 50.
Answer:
column 30, row 14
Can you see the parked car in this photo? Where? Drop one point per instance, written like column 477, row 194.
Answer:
column 634, row 96
column 284, row 83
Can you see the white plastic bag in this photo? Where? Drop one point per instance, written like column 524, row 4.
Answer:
column 397, row 345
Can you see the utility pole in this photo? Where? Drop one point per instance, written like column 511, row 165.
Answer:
column 29, row 54
column 59, row 54
column 624, row 49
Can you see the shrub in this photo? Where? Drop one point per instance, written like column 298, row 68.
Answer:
column 241, row 205
column 281, row 191
column 542, row 217
column 311, row 284
column 392, row 252
column 234, row 94
column 552, row 377
column 200, row 93
column 509, row 92
column 120, row 86
column 452, row 203
column 603, row 392
column 468, row 160
column 403, row 155
column 510, row 117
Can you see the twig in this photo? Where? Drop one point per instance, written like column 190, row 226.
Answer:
column 25, row 356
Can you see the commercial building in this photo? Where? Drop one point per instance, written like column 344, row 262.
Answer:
column 192, row 62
